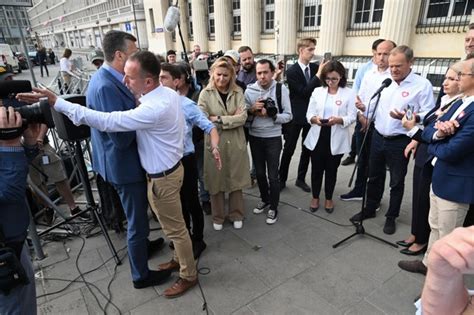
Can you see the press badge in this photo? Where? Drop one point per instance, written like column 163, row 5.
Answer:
column 45, row 159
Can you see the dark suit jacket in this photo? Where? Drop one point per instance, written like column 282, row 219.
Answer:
column 300, row 91
column 453, row 174
column 115, row 155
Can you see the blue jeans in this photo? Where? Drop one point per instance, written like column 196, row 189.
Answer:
column 22, row 299
column 387, row 151
column 266, row 156
column 135, row 204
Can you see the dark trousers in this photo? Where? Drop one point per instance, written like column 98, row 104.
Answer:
column 135, row 205
column 43, row 64
column 362, row 158
column 420, row 227
column 190, row 200
column 324, row 163
column 199, row 155
column 291, row 139
column 387, row 151
column 469, row 220
column 266, row 156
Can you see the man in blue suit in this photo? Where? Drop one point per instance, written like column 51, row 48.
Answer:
column 451, row 141
column 115, row 155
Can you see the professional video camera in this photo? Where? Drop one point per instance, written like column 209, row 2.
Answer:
column 202, row 66
column 39, row 112
column 271, row 107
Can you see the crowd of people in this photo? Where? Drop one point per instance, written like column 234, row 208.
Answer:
column 137, row 106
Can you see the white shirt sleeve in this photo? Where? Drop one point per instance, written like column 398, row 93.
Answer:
column 139, row 118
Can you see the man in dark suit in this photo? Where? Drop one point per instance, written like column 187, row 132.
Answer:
column 302, row 79
column 115, row 156
column 452, row 149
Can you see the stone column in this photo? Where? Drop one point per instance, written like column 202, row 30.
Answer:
column 200, row 23
column 250, row 23
column 398, row 21
column 183, row 22
column 285, row 23
column 333, row 27
column 223, row 19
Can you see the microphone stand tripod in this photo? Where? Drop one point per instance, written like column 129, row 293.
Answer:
column 360, row 230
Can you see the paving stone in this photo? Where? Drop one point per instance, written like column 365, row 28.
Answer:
column 363, row 308
column 71, row 303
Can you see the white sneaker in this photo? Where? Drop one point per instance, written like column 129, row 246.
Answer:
column 260, row 207
column 272, row 216
column 238, row 225
column 217, row 227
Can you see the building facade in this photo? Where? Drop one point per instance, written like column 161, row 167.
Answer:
column 343, row 27
column 81, row 24
column 10, row 27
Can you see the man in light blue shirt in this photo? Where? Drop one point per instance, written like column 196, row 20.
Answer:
column 170, row 76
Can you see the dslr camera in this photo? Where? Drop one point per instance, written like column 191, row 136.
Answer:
column 270, row 106
column 39, row 112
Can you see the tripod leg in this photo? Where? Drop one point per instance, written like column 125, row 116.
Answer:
column 106, row 236
column 347, row 238
column 382, row 240
column 34, row 236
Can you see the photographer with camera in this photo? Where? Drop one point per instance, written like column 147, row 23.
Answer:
column 17, row 283
column 269, row 104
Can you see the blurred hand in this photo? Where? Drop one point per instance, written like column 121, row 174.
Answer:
column 395, row 114
column 446, row 128
column 411, row 149
column 360, row 106
column 10, row 119
column 217, row 158
column 35, row 96
column 363, row 122
column 409, row 124
column 334, row 121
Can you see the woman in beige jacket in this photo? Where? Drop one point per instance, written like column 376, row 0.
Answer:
column 223, row 102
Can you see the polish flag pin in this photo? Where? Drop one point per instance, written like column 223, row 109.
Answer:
column 405, row 93
column 338, row 102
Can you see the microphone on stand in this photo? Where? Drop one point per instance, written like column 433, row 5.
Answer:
column 171, row 19
column 385, row 83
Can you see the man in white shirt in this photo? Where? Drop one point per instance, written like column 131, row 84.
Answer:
column 159, row 124
column 370, row 83
column 389, row 138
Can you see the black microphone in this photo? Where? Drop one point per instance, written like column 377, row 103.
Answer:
column 171, row 19
column 385, row 83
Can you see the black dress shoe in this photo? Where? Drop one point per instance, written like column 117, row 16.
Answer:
column 154, row 247
column 313, row 209
column 409, row 252
column 390, row 226
column 329, row 210
column 348, row 160
column 154, row 278
column 415, row 266
column 404, row 244
column 301, row 184
column 363, row 215
column 198, row 248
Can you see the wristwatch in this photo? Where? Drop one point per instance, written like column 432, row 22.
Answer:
column 219, row 119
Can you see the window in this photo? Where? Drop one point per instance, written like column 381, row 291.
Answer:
column 311, row 13
column 211, row 25
column 367, row 11
column 236, row 17
column 190, row 19
column 152, row 20
column 269, row 16
column 437, row 9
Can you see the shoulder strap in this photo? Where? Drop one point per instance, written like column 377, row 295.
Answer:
column 278, row 96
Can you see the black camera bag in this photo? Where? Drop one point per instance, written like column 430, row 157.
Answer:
column 12, row 273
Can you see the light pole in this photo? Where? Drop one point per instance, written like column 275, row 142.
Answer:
column 135, row 22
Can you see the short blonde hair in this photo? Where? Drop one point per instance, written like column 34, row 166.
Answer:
column 223, row 63
column 305, row 42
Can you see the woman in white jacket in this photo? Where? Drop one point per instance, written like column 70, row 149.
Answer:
column 330, row 112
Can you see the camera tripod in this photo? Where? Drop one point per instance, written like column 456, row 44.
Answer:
column 91, row 207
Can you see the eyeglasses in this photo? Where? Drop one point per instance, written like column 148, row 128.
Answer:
column 460, row 74
column 332, row 79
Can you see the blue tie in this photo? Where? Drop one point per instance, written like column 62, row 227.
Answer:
column 306, row 74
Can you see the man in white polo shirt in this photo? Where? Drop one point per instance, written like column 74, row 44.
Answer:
column 159, row 124
column 389, row 138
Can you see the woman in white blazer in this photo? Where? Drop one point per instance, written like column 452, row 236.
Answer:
column 330, row 112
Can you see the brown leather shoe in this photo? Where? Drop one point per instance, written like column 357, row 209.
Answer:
column 179, row 288
column 416, row 266
column 170, row 265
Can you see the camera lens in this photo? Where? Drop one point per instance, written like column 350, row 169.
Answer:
column 37, row 113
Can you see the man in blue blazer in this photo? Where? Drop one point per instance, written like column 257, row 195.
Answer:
column 115, row 156
column 451, row 146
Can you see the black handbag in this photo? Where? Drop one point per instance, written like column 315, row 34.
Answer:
column 12, row 273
